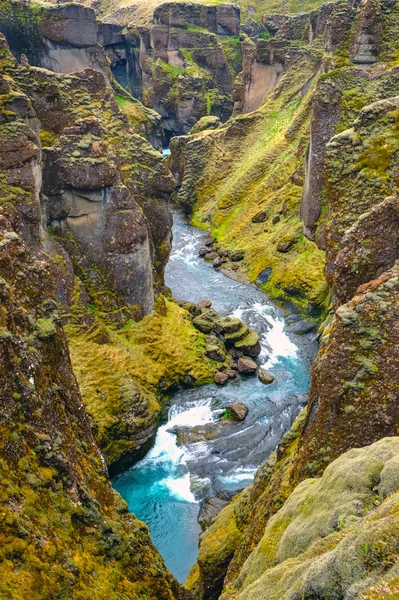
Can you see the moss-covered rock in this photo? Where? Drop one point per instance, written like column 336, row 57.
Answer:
column 332, row 534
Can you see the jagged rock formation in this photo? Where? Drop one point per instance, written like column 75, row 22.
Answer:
column 245, row 181
column 85, row 234
column 308, row 178
column 63, row 529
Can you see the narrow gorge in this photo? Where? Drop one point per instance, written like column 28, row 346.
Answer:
column 199, row 233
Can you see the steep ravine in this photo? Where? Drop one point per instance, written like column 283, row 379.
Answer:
column 301, row 198
column 196, row 455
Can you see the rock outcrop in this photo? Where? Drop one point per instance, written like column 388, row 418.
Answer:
column 182, row 64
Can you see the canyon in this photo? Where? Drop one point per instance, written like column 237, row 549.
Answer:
column 131, row 333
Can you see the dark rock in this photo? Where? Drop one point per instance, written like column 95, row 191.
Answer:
column 211, row 256
column 209, row 240
column 264, row 276
column 236, row 255
column 246, row 365
column 276, row 219
column 285, row 246
column 249, row 344
column 214, row 352
column 250, row 27
column 238, row 410
column 218, row 262
column 207, row 320
column 231, row 373
column 209, row 510
column 203, row 251
column 230, row 324
column 234, row 353
column 204, row 304
column 260, row 217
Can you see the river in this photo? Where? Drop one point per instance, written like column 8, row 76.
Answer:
column 166, row 487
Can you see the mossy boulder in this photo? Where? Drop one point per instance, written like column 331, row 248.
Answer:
column 328, row 534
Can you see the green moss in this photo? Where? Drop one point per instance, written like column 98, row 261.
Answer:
column 255, row 173
column 45, row 328
column 130, row 372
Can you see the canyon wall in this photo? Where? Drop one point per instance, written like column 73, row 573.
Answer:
column 64, row 531
column 182, row 64
column 337, row 185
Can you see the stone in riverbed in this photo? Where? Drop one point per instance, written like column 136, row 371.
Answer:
column 221, row 377
column 204, row 304
column 211, row 255
column 265, row 377
column 217, row 263
column 235, row 336
column 230, row 325
column 203, row 251
column 246, row 365
column 249, row 344
column 209, row 240
column 231, row 373
column 214, row 352
column 207, row 320
column 238, row 410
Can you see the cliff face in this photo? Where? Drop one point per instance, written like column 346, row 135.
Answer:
column 182, row 64
column 64, row 532
column 260, row 545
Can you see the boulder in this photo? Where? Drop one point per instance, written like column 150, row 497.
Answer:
column 246, row 365
column 207, row 320
column 221, row 377
column 230, row 325
column 235, row 336
column 214, row 352
column 231, row 373
column 209, row 240
column 204, row 304
column 285, row 246
column 211, row 255
column 265, row 377
column 260, row 217
column 249, row 344
column 238, row 410
column 203, row 251
column 209, row 122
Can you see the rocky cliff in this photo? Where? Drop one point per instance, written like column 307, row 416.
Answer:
column 182, row 63
column 301, row 194
column 343, row 167
column 64, row 531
